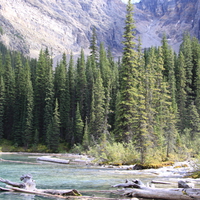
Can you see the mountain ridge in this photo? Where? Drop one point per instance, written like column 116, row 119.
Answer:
column 65, row 26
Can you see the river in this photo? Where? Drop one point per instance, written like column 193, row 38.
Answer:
column 72, row 176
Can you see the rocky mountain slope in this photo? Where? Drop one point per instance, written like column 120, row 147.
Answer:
column 172, row 17
column 62, row 25
column 66, row 25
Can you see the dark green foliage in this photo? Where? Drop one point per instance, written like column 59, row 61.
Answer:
column 53, row 130
column 9, row 81
column 2, row 102
column 78, row 126
column 127, row 108
column 148, row 101
column 93, row 45
column 97, row 116
column 81, row 85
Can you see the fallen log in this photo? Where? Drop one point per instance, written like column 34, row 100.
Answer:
column 139, row 190
column 14, row 184
column 29, row 186
column 54, row 160
column 35, row 192
column 4, row 189
column 165, row 194
column 161, row 182
column 42, row 193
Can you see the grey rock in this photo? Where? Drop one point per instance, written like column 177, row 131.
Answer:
column 65, row 26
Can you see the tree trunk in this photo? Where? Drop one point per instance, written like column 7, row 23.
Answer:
column 28, row 186
column 55, row 160
column 136, row 188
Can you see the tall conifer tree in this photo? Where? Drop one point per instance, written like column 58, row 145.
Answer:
column 2, row 102
column 127, row 108
column 9, row 82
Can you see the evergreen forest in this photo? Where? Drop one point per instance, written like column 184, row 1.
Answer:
column 141, row 108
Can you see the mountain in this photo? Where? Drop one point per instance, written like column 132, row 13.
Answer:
column 172, row 17
column 66, row 25
column 60, row 25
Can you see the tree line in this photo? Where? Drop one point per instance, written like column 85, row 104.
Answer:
column 149, row 98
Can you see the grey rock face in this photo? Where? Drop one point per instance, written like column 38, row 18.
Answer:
column 60, row 25
column 66, row 25
column 170, row 17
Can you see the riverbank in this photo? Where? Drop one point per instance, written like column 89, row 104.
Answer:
column 177, row 169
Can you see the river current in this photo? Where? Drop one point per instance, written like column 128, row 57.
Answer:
column 72, row 176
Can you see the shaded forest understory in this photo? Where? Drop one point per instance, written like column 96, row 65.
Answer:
column 143, row 108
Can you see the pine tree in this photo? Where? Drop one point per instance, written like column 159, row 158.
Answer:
column 49, row 106
column 172, row 81
column 20, row 82
column 97, row 116
column 53, row 130
column 150, row 96
column 186, row 49
column 90, row 83
column 181, row 91
column 72, row 101
column 43, row 94
column 62, row 94
column 127, row 108
column 39, row 95
column 81, row 85
column 78, row 127
column 166, row 57
column 197, row 86
column 28, row 109
column 106, row 75
column 195, row 60
column 2, row 103
column 194, row 122
column 93, row 45
column 9, row 82
column 86, row 138
column 141, row 132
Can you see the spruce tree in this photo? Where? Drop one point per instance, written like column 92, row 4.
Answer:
column 97, row 117
column 72, row 101
column 28, row 135
column 106, row 75
column 127, row 108
column 2, row 103
column 186, row 49
column 93, row 45
column 49, row 107
column 90, row 83
column 53, row 130
column 43, row 94
column 9, row 82
column 20, row 83
column 181, row 91
column 86, row 138
column 197, row 86
column 81, row 85
column 39, row 95
column 62, row 94
column 78, row 127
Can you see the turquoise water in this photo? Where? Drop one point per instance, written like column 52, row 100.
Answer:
column 59, row 176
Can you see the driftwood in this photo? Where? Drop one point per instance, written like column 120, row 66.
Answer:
column 136, row 188
column 29, row 186
column 54, row 160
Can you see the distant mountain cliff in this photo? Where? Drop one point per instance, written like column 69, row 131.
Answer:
column 172, row 17
column 66, row 25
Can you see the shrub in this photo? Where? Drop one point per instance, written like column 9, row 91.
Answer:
column 114, row 153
